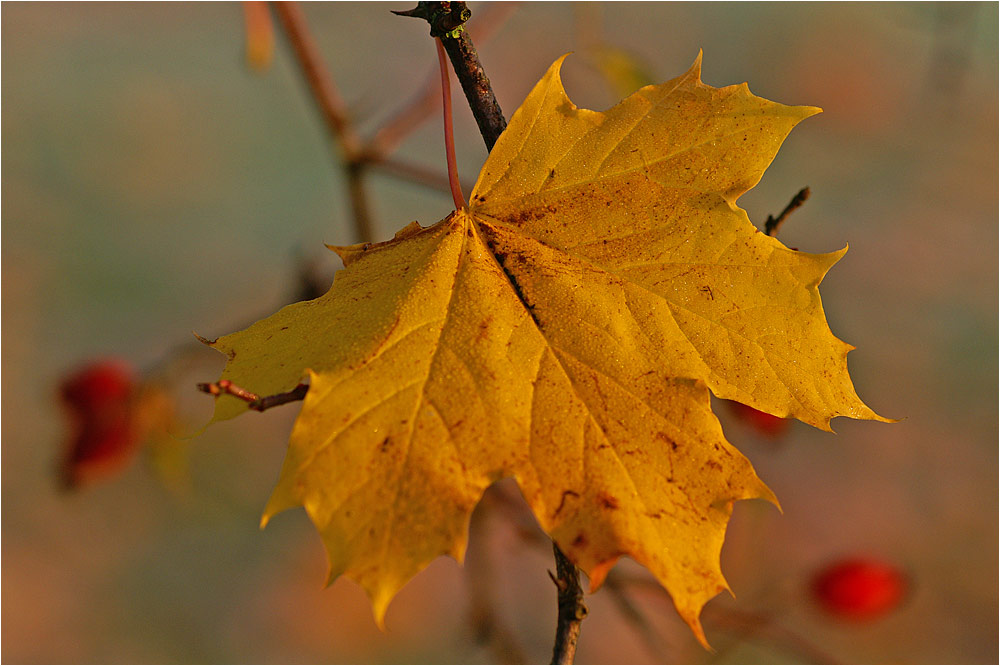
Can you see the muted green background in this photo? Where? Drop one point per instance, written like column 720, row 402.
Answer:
column 153, row 186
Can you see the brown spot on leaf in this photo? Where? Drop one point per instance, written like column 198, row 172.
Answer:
column 484, row 328
column 607, row 501
column 531, row 214
column 666, row 440
column 580, row 541
column 562, row 500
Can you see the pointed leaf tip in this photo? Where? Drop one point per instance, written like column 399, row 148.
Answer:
column 695, row 68
column 205, row 341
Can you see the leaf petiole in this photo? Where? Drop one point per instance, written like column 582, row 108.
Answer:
column 449, row 133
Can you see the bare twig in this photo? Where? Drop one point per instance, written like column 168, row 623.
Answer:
column 475, row 83
column 773, row 223
column 571, row 608
column 414, row 173
column 254, row 401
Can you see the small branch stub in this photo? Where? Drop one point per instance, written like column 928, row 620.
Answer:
column 254, row 401
column 773, row 223
column 445, row 18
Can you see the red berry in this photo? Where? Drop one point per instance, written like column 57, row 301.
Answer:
column 101, row 383
column 859, row 589
column 100, row 400
column 762, row 422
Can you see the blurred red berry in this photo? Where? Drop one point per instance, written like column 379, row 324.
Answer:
column 859, row 589
column 100, row 401
column 765, row 424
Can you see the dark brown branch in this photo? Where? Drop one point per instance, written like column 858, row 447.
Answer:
column 571, row 608
column 254, row 401
column 465, row 61
column 773, row 223
column 478, row 91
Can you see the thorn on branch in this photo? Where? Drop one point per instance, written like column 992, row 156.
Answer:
column 444, row 17
column 773, row 223
column 560, row 584
column 254, row 401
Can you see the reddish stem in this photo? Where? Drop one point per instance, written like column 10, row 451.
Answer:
column 449, row 133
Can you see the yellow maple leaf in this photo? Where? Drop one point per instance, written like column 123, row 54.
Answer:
column 565, row 329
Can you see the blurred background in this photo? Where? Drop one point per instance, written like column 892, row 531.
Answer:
column 155, row 185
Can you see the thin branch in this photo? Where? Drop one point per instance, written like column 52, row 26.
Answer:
column 414, row 173
column 475, row 83
column 773, row 223
column 360, row 209
column 407, row 119
column 571, row 608
column 254, row 401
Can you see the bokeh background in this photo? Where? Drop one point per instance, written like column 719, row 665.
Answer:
column 154, row 186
